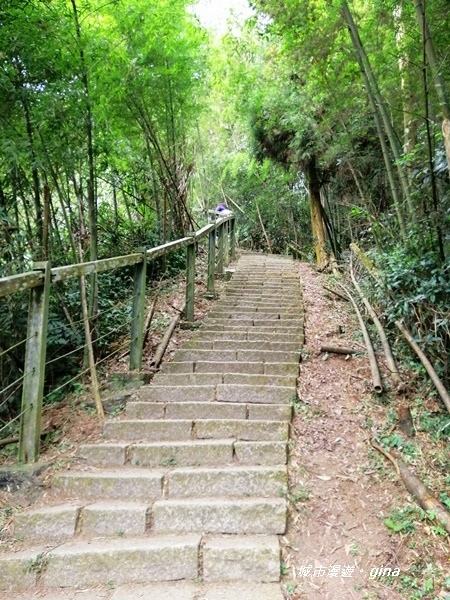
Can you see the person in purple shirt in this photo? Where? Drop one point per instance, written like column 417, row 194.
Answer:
column 222, row 210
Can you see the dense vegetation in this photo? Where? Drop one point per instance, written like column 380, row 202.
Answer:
column 320, row 124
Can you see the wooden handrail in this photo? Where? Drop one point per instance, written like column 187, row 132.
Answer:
column 39, row 282
column 25, row 281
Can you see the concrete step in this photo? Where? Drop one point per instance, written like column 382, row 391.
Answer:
column 227, row 481
column 179, row 430
column 244, row 368
column 241, row 558
column 111, row 484
column 184, row 454
column 221, row 515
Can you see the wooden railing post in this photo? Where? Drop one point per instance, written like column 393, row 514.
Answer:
column 226, row 244
column 211, row 261
column 190, row 281
column 220, row 257
column 34, row 368
column 138, row 315
column 233, row 238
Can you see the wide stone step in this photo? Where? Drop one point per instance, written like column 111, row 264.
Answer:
column 166, row 430
column 191, row 591
column 221, row 515
column 248, row 335
column 243, row 323
column 158, row 558
column 220, row 393
column 270, row 356
column 190, row 379
column 227, row 481
column 184, row 454
column 241, row 558
column 115, row 484
column 235, row 367
column 213, row 410
column 274, row 327
column 203, row 344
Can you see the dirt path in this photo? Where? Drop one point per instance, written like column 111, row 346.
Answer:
column 339, row 494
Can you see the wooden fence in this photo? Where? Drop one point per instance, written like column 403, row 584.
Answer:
column 39, row 282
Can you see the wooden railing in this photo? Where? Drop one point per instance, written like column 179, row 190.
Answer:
column 40, row 280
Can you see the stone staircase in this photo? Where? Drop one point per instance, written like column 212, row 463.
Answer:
column 190, row 486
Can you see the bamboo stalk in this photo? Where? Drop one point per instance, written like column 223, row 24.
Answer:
column 263, row 228
column 426, row 363
column 392, row 366
column 376, row 378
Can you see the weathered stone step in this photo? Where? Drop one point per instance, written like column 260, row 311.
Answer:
column 255, row 310
column 220, row 393
column 226, row 481
column 78, row 564
column 212, row 410
column 159, row 430
column 231, row 302
column 184, row 454
column 249, row 335
column 188, row 379
column 241, row 558
column 114, row 484
column 235, row 367
column 231, row 344
column 221, row 515
column 276, row 325
column 60, row 523
column 270, row 356
column 191, row 591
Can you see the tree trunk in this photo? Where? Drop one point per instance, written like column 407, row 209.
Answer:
column 439, row 82
column 316, row 212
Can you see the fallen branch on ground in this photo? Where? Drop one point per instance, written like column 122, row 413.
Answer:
column 161, row 349
column 333, row 350
column 426, row 363
column 376, row 377
column 341, row 296
column 416, row 488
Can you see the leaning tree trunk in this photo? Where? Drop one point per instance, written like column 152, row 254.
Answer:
column 439, row 82
column 379, row 101
column 316, row 212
